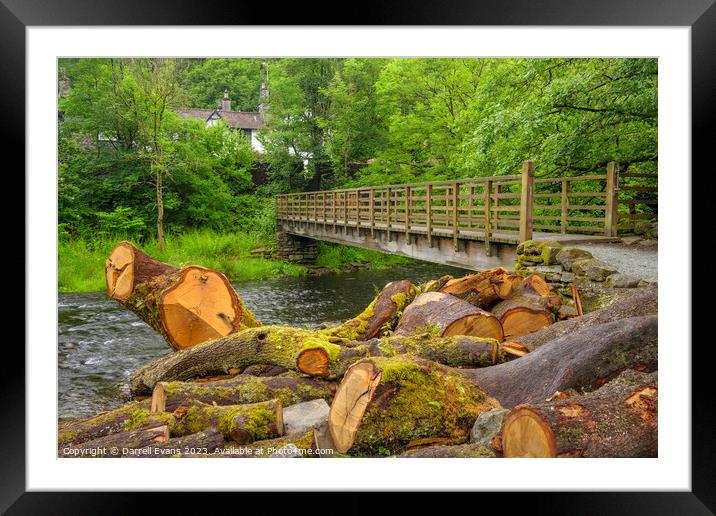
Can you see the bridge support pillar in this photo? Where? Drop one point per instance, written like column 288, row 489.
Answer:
column 294, row 248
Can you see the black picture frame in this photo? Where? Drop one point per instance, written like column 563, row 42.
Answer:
column 700, row 15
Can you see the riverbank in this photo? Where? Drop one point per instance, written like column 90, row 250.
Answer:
column 81, row 261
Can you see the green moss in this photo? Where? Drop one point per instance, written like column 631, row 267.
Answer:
column 333, row 350
column 194, row 420
column 136, row 420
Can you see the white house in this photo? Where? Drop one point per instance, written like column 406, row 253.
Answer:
column 248, row 122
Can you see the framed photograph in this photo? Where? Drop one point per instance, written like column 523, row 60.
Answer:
column 365, row 243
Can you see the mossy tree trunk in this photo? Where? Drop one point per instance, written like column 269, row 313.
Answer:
column 203, row 442
column 168, row 396
column 100, row 425
column 310, row 352
column 617, row 420
column 116, row 445
column 186, row 306
column 380, row 315
column 584, row 360
column 382, row 404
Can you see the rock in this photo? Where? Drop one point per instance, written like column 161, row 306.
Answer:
column 568, row 255
column 550, row 249
column 622, row 281
column 567, row 277
column 260, row 251
column 648, row 242
column 641, row 227
column 593, row 269
column 530, row 248
column 647, row 283
column 487, row 425
column 290, row 451
column 529, row 261
column 553, row 276
column 544, row 269
column 302, row 417
column 631, row 240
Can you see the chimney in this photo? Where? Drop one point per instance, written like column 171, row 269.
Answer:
column 263, row 97
column 226, row 102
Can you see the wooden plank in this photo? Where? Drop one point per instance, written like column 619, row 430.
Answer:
column 611, row 213
column 639, row 188
column 371, row 208
column 428, row 196
column 565, row 205
column 488, row 211
column 526, row 200
column 407, row 214
column 455, row 228
column 387, row 217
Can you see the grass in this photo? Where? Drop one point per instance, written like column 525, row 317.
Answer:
column 81, row 261
column 334, row 256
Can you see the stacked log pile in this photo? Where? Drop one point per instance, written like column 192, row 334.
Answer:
column 409, row 376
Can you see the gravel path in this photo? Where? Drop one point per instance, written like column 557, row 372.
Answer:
column 634, row 260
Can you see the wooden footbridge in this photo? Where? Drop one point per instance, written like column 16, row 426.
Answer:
column 473, row 223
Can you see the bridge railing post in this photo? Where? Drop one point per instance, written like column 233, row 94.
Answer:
column 527, row 200
column 611, row 216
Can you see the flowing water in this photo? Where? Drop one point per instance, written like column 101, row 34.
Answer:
column 101, row 342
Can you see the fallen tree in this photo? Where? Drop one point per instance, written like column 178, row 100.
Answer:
column 117, row 444
column 445, row 315
column 385, row 403
column 100, row 425
column 457, row 451
column 168, row 396
column 585, row 359
column 306, row 351
column 203, row 442
column 186, row 306
column 617, row 420
column 380, row 315
column 629, row 302
column 482, row 289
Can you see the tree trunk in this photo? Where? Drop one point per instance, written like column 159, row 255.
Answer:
column 160, row 210
column 186, row 306
column 446, row 315
column 380, row 315
column 168, row 396
column 242, row 423
column 306, row 351
column 116, row 445
column 617, row 420
column 637, row 302
column 521, row 315
column 100, row 425
column 204, row 442
column 585, row 359
column 483, row 289
column 267, row 448
column 384, row 403
column 459, row 451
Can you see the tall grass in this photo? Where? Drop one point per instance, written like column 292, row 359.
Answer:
column 81, row 262
column 334, row 256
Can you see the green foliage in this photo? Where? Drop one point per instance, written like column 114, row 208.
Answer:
column 333, row 256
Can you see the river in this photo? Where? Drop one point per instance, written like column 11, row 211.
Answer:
column 100, row 342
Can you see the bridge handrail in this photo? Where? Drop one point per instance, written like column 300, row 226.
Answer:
column 497, row 205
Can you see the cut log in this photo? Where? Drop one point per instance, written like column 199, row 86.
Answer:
column 585, row 360
column 630, row 303
column 445, row 315
column 483, row 289
column 434, row 285
column 380, row 315
column 206, row 441
column 100, row 425
column 537, row 285
column 186, row 306
column 523, row 314
column 305, row 351
column 617, row 420
column 116, row 445
column 168, row 396
column 459, row 451
column 382, row 404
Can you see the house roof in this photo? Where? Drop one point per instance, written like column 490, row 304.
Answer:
column 234, row 119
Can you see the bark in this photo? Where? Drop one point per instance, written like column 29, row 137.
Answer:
column 584, row 360
column 382, row 404
column 459, row 451
column 186, row 306
column 483, row 289
column 446, row 315
column 168, row 396
column 116, row 445
column 265, row 448
column 617, row 420
column 635, row 302
column 243, row 424
column 203, row 442
column 434, row 285
column 100, row 425
column 380, row 315
column 306, row 351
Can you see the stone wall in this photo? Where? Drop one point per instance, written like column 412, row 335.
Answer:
column 562, row 266
column 295, row 248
